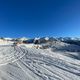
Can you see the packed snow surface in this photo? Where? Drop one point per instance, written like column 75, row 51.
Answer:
column 22, row 63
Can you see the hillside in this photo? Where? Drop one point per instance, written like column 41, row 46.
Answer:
column 58, row 61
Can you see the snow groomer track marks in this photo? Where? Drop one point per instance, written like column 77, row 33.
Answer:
column 10, row 53
column 21, row 63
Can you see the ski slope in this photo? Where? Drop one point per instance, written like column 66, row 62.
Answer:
column 22, row 63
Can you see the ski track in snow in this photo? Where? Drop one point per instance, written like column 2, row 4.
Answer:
column 35, row 64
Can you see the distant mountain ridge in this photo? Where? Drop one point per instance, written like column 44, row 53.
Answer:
column 40, row 40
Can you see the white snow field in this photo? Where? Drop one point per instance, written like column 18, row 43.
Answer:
column 22, row 63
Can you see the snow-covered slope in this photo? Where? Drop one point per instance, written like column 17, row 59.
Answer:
column 22, row 63
column 5, row 42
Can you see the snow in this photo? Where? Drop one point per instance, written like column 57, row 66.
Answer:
column 24, row 62
column 7, row 38
column 27, row 45
column 5, row 42
column 37, row 38
column 23, row 38
column 46, row 38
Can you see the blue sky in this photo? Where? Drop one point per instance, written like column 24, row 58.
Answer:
column 34, row 18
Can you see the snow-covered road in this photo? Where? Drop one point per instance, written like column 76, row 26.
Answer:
column 21, row 63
